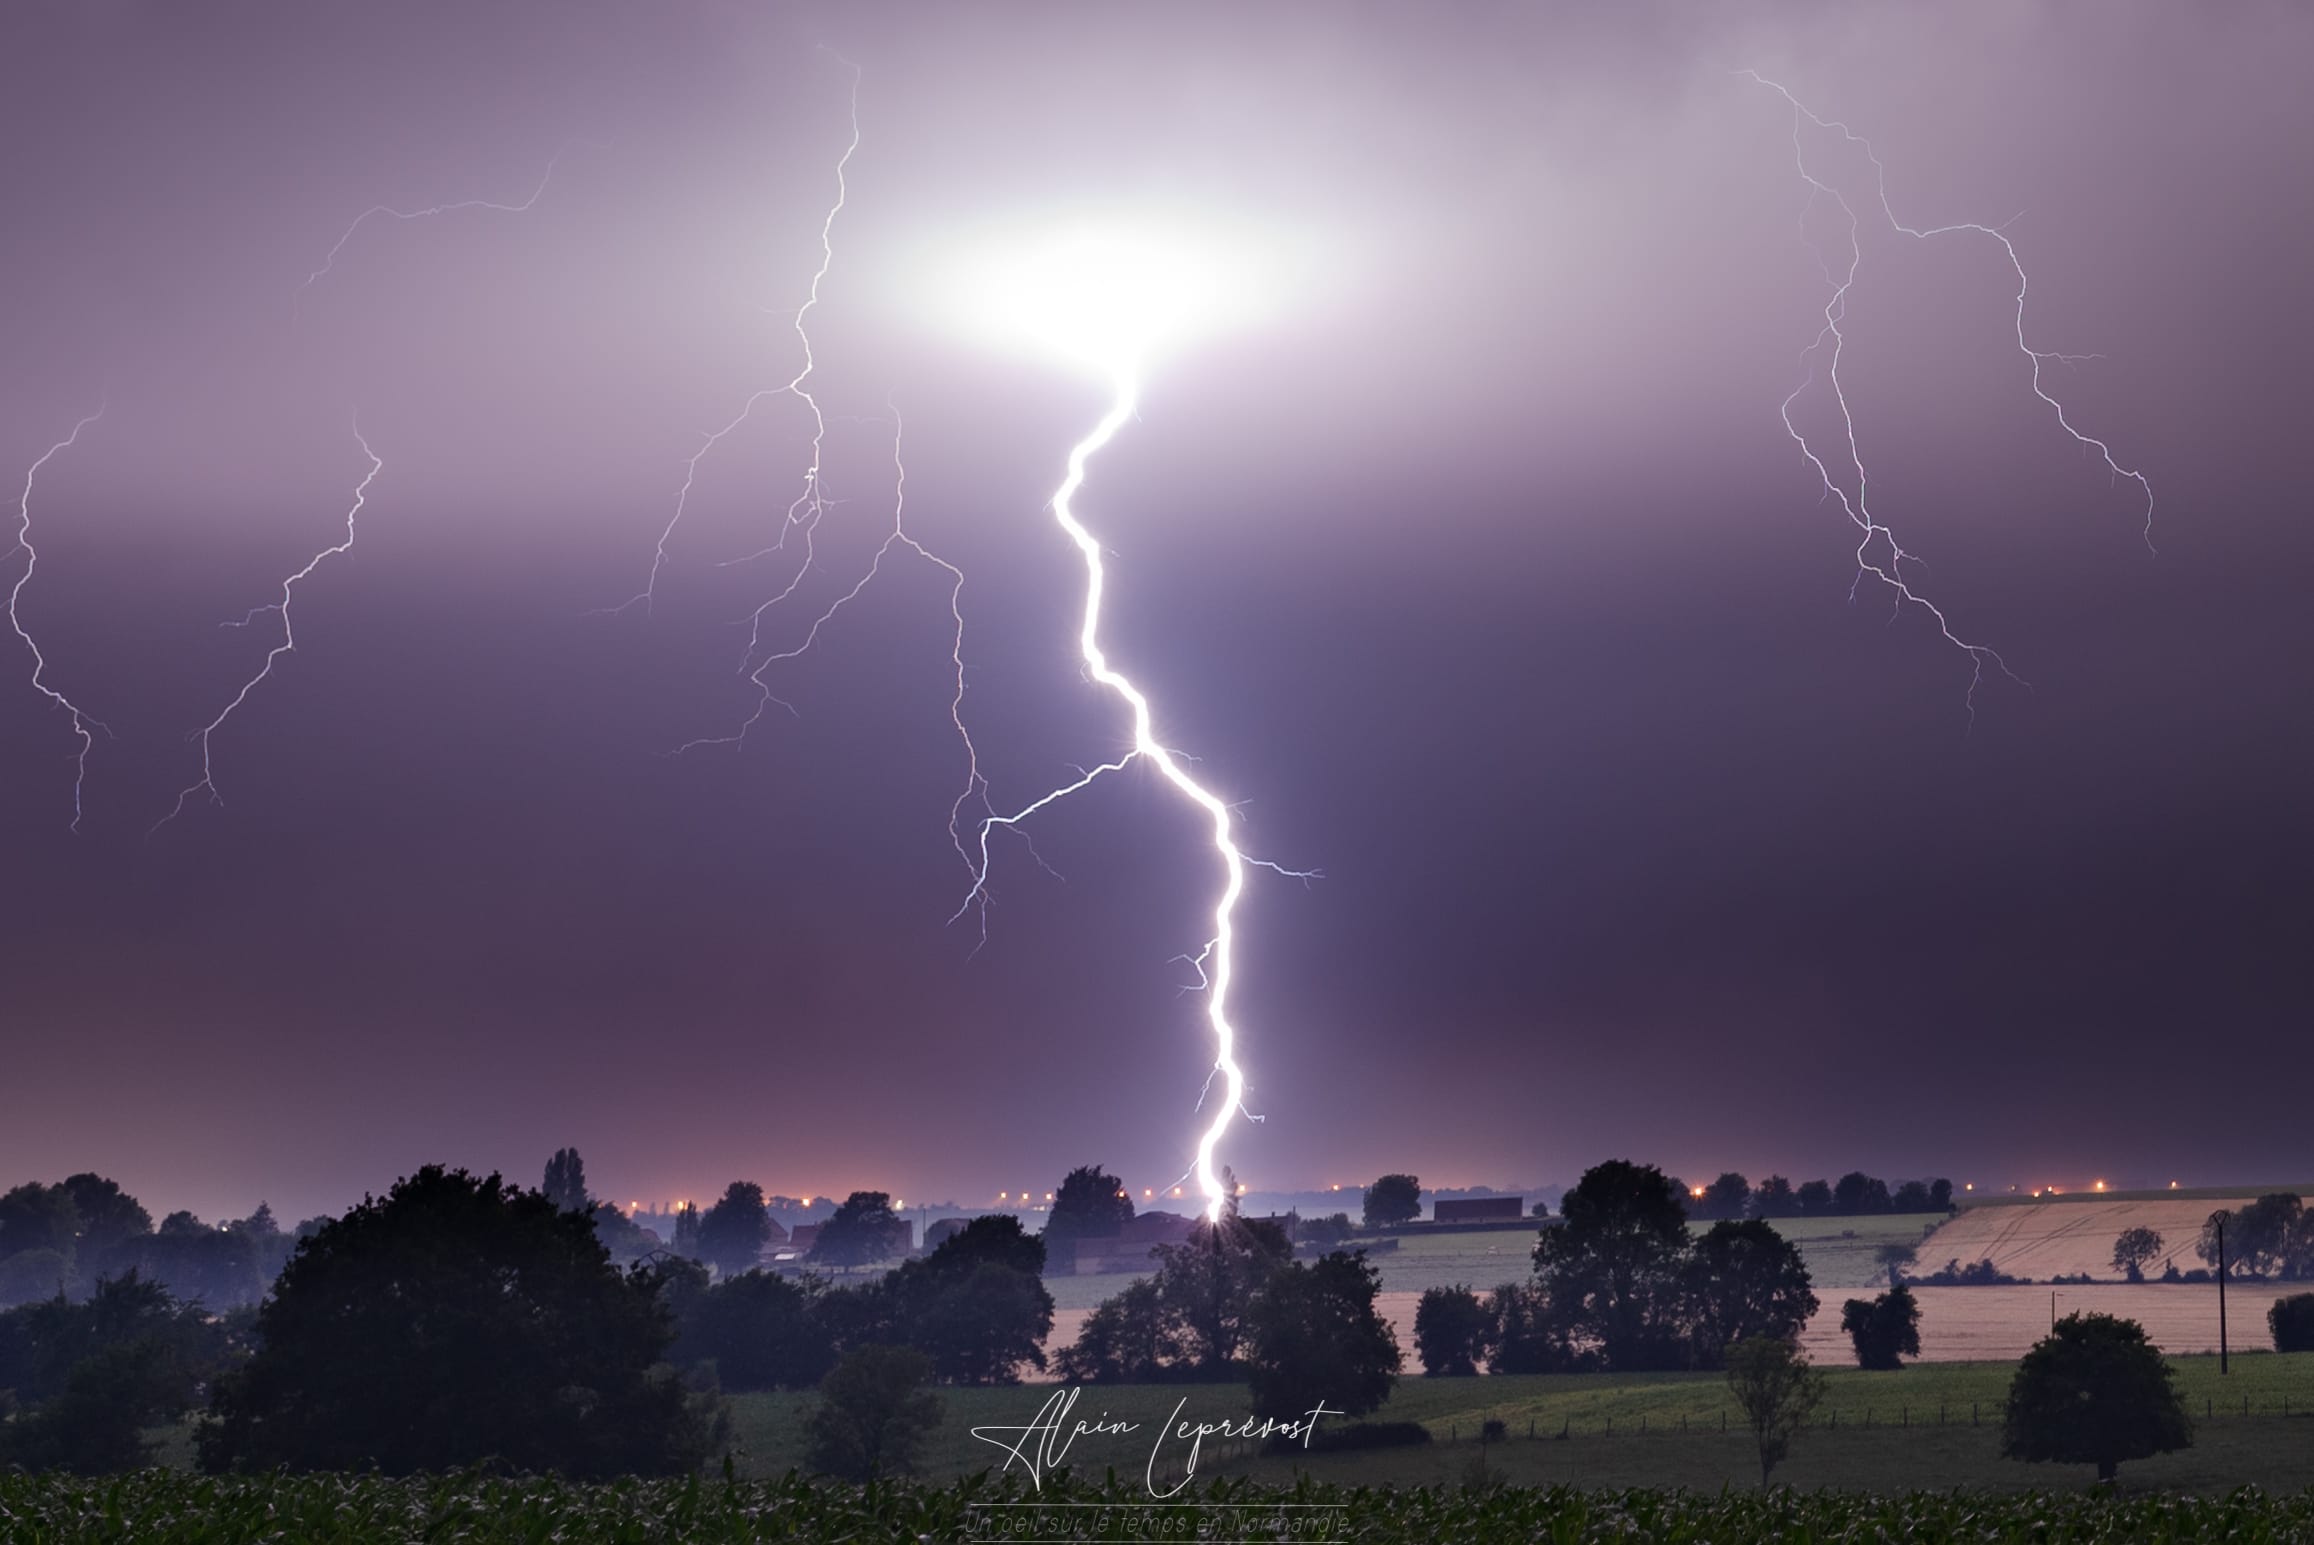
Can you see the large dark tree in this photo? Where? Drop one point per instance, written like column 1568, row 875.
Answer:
column 2094, row 1391
column 1611, row 1269
column 1313, row 1335
column 454, row 1321
column 735, row 1230
column 977, row 1305
column 1392, row 1200
column 1091, row 1204
column 1129, row 1339
column 1743, row 1280
column 1208, row 1282
column 1815, row 1198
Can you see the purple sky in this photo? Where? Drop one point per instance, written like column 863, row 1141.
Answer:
column 1487, row 578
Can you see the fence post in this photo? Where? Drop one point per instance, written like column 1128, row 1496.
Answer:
column 1530, row 1426
column 1972, row 1413
column 1905, row 1419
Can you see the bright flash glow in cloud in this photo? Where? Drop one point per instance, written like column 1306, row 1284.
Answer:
column 1110, row 296
column 1108, row 299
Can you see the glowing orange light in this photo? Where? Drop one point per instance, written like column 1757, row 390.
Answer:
column 2099, row 1186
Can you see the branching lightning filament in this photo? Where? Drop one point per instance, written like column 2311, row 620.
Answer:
column 1830, row 341
column 82, row 724
column 207, row 782
column 1216, row 964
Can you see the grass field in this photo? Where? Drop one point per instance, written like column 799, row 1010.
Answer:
column 1876, row 1431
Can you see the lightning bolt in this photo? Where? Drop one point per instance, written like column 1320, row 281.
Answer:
column 1216, row 964
column 81, row 722
column 810, row 504
column 1830, row 339
column 329, row 260
column 207, row 782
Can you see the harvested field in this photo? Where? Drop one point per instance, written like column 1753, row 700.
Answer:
column 2066, row 1236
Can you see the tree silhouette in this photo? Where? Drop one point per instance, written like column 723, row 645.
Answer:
column 1611, row 1269
column 1392, row 1200
column 735, row 1230
column 2094, row 1391
column 863, row 1229
column 873, row 1414
column 1775, row 1389
column 1313, row 1335
column 1450, row 1332
column 566, row 1181
column 1743, row 1280
column 456, row 1320
column 1090, row 1204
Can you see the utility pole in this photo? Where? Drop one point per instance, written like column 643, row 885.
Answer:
column 2222, row 1350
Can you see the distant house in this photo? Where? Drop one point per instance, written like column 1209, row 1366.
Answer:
column 804, row 1236
column 1479, row 1209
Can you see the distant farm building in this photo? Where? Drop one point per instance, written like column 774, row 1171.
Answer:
column 1479, row 1209
column 1126, row 1250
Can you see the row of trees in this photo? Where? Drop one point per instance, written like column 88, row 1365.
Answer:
column 1622, row 1284
column 976, row 1308
column 68, row 1236
column 458, row 1318
column 1231, row 1302
column 2270, row 1237
column 1854, row 1194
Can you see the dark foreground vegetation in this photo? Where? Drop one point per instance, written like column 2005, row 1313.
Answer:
column 159, row 1507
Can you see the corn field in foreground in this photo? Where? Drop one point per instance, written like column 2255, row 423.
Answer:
column 162, row 1506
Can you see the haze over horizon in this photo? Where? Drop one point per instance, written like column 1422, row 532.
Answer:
column 1482, row 572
